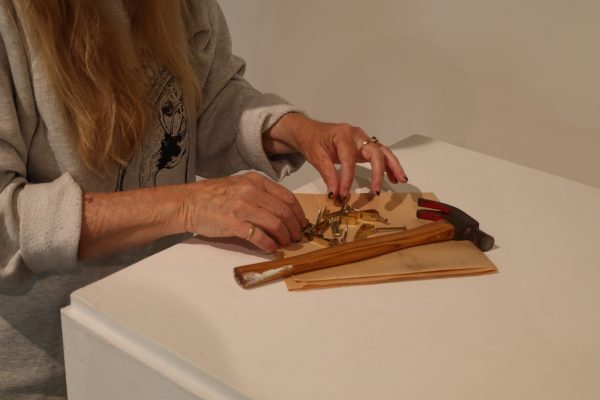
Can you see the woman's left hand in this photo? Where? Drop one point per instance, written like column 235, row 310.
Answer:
column 326, row 144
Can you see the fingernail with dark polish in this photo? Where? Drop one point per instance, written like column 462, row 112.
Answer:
column 406, row 177
column 330, row 195
column 378, row 192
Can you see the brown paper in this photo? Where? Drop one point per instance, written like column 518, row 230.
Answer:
column 452, row 258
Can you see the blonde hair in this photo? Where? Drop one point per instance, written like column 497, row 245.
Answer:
column 95, row 71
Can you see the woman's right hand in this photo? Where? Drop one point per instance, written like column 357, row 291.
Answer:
column 249, row 206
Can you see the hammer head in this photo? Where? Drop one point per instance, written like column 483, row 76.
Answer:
column 465, row 227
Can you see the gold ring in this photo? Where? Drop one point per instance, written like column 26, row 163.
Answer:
column 250, row 232
column 370, row 140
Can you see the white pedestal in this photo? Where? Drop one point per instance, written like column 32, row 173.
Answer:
column 177, row 326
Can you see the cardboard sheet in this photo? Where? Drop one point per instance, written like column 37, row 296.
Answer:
column 453, row 258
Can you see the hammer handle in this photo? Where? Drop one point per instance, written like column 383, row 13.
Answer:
column 256, row 274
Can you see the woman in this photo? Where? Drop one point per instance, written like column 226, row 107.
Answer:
column 108, row 111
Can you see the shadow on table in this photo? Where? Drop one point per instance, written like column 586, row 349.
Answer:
column 411, row 142
column 230, row 244
column 362, row 182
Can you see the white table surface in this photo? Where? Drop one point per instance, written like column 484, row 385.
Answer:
column 176, row 325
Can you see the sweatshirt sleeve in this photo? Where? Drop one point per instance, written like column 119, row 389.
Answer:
column 233, row 115
column 39, row 223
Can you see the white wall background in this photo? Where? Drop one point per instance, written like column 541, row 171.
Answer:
column 516, row 79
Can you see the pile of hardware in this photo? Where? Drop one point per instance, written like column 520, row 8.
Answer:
column 345, row 216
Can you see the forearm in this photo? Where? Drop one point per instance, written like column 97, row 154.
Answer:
column 122, row 220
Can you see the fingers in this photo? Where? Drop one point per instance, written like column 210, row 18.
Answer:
column 257, row 237
column 270, row 232
column 394, row 169
column 288, row 199
column 349, row 146
column 326, row 168
column 333, row 144
column 326, row 144
column 269, row 223
column 373, row 154
column 271, row 207
column 248, row 206
column 280, row 222
column 383, row 161
column 347, row 155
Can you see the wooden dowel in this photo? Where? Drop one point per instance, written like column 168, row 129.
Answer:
column 256, row 274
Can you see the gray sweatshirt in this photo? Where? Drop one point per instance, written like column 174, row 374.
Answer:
column 42, row 179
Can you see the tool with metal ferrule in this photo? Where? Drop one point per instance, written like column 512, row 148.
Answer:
column 450, row 223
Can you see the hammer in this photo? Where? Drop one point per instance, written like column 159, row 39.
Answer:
column 450, row 223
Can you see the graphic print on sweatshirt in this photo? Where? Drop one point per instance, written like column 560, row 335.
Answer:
column 167, row 146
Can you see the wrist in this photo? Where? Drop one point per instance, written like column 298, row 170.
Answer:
column 284, row 136
column 164, row 208
column 121, row 220
column 184, row 202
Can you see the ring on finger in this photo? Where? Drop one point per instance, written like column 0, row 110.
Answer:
column 370, row 140
column 250, row 232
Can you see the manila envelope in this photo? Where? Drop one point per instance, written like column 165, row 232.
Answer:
column 451, row 258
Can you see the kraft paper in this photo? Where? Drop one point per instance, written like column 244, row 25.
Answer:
column 452, row 258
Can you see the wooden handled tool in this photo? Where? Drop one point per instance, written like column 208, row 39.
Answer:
column 450, row 223
column 256, row 274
